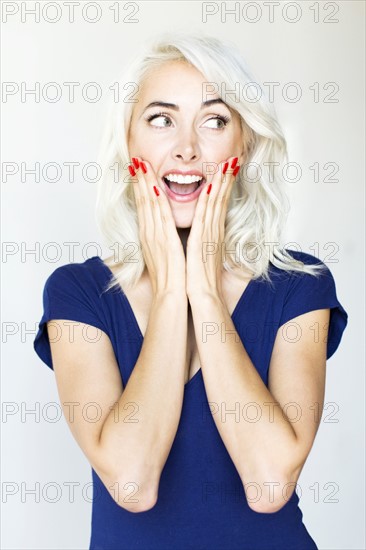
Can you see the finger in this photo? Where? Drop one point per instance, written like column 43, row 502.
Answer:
column 139, row 185
column 160, row 207
column 149, row 198
column 224, row 192
column 212, row 202
column 203, row 197
column 166, row 214
column 200, row 210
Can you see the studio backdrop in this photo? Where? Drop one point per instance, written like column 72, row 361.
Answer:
column 61, row 62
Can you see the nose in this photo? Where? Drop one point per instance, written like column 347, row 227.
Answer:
column 187, row 148
column 186, row 157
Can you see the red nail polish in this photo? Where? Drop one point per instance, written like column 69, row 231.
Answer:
column 143, row 167
column 209, row 188
column 156, row 191
column 233, row 164
column 236, row 170
column 132, row 171
column 136, row 162
column 226, row 166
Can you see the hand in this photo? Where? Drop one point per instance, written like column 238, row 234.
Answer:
column 161, row 246
column 204, row 245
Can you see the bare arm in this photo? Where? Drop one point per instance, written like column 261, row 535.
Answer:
column 128, row 443
column 273, row 447
column 149, row 409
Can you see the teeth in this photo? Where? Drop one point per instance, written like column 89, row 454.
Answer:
column 178, row 178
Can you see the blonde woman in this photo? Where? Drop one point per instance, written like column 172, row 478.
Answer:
column 194, row 336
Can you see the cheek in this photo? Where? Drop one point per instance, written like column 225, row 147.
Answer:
column 218, row 149
column 150, row 145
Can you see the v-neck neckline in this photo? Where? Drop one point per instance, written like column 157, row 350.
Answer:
column 244, row 295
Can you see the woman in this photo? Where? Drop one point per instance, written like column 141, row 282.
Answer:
column 203, row 375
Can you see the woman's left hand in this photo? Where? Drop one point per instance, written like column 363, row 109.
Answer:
column 205, row 253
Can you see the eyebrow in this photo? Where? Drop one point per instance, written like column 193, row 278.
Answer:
column 176, row 108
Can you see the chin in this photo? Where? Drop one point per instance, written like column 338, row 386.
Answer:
column 183, row 225
column 183, row 219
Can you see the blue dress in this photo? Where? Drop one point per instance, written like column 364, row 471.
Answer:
column 201, row 500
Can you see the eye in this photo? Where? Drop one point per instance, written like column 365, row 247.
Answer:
column 156, row 116
column 222, row 118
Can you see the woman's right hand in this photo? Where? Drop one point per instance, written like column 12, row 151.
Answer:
column 162, row 248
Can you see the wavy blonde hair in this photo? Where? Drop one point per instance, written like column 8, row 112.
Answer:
column 257, row 210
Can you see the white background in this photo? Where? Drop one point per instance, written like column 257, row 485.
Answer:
column 36, row 450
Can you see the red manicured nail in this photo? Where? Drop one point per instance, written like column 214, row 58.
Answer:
column 236, row 170
column 132, row 171
column 226, row 166
column 143, row 167
column 136, row 162
column 233, row 164
column 156, row 191
column 209, row 189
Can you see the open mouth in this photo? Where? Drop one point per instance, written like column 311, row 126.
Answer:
column 180, row 188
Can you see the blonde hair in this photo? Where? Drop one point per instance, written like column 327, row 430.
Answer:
column 256, row 212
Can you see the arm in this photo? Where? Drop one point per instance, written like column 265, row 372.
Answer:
column 271, row 449
column 155, row 392
column 129, row 441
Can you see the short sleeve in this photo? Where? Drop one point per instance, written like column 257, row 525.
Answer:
column 66, row 295
column 307, row 293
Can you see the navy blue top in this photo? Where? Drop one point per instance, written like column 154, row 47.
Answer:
column 201, row 500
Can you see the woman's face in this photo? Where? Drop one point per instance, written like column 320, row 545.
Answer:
column 186, row 136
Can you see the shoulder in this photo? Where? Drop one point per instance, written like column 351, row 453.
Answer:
column 77, row 279
column 75, row 271
column 304, row 259
column 298, row 285
column 305, row 292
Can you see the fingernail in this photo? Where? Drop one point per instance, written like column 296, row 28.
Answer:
column 233, row 164
column 226, row 166
column 236, row 170
column 156, row 191
column 209, row 188
column 132, row 171
column 143, row 167
column 136, row 162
